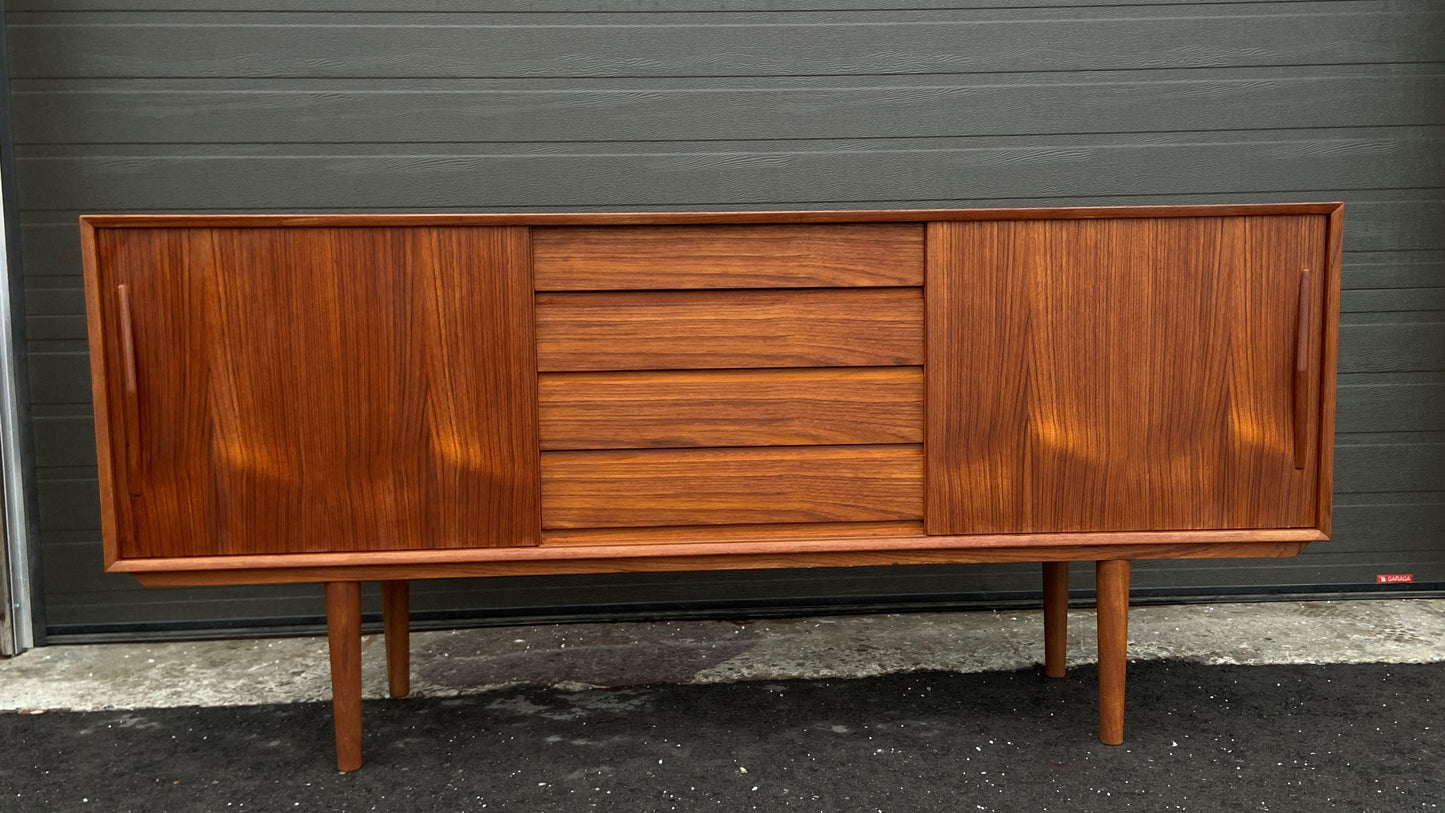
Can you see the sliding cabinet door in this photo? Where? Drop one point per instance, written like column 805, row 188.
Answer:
column 1124, row 374
column 290, row 390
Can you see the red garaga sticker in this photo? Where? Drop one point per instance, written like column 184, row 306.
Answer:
column 1394, row 578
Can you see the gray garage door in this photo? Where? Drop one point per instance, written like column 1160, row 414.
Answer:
column 378, row 105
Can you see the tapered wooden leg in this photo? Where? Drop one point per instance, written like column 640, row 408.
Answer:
column 1113, row 617
column 343, row 628
column 1056, row 618
column 395, row 621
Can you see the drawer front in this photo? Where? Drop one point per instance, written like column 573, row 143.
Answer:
column 742, row 256
column 642, row 410
column 730, row 329
column 731, row 486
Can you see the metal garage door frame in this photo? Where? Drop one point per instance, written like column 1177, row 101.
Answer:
column 15, row 614
column 16, row 598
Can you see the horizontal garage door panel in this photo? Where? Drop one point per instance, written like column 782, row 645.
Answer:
column 371, row 106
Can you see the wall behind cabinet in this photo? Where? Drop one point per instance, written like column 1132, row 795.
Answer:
column 385, row 105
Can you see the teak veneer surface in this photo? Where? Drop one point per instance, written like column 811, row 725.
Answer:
column 774, row 540
column 381, row 567
column 601, row 258
column 792, row 407
column 843, row 327
column 675, row 218
column 306, row 390
column 1329, row 326
column 726, row 486
column 1112, row 590
column 343, row 633
column 326, row 384
column 1112, row 375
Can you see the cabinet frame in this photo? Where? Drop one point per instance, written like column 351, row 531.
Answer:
column 696, row 550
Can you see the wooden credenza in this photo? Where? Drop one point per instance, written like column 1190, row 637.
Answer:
column 339, row 398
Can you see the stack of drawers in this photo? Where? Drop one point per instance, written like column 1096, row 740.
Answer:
column 756, row 380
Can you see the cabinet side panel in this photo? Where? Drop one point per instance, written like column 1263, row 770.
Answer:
column 97, row 310
column 1332, row 256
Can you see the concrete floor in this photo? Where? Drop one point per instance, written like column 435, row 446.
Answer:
column 242, row 672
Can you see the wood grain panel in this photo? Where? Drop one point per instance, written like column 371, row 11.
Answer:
column 1367, row 406
column 731, row 486
column 1119, row 375
column 734, row 535
column 646, row 559
column 1328, row 350
column 730, row 329
column 642, row 410
column 101, row 340
column 712, row 540
column 683, row 257
column 324, row 389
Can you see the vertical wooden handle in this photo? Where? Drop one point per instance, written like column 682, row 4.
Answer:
column 132, row 390
column 1302, row 372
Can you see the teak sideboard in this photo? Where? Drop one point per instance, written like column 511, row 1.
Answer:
column 341, row 398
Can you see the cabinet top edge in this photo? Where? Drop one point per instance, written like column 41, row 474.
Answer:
column 661, row 218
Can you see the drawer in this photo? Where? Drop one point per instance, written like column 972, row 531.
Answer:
column 678, row 330
column 666, row 487
column 727, row 256
column 639, row 410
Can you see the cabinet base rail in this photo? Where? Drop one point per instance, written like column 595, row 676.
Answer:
column 343, row 623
